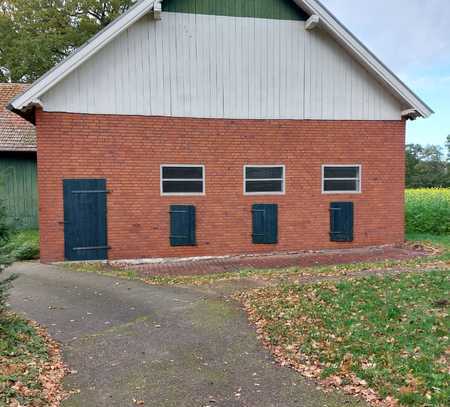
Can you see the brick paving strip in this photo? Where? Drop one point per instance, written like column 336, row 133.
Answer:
column 199, row 266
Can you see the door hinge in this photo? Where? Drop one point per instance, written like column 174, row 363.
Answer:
column 100, row 191
column 92, row 248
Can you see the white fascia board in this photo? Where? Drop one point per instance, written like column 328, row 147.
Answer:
column 364, row 55
column 64, row 68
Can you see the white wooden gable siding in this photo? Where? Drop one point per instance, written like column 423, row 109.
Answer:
column 191, row 65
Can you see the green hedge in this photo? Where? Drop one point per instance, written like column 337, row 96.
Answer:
column 428, row 211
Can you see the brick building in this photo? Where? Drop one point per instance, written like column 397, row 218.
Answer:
column 190, row 128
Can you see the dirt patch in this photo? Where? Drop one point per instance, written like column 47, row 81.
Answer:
column 277, row 261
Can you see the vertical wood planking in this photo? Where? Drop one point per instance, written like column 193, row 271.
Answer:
column 195, row 65
column 18, row 190
column 165, row 38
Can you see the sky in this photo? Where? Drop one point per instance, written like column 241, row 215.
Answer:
column 412, row 37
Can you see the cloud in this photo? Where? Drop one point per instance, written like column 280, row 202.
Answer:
column 405, row 34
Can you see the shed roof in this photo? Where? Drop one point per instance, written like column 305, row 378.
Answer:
column 16, row 134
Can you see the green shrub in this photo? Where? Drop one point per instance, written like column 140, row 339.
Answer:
column 5, row 260
column 27, row 251
column 428, row 211
column 22, row 245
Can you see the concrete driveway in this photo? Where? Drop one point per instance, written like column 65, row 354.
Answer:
column 165, row 346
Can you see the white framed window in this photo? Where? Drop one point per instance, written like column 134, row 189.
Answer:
column 341, row 179
column 264, row 179
column 182, row 179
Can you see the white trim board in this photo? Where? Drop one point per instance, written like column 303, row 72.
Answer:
column 327, row 22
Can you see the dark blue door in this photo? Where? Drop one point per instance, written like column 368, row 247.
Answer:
column 85, row 236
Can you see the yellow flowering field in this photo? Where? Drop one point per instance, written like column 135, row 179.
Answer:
column 428, row 211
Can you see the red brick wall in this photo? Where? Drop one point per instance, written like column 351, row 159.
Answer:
column 128, row 151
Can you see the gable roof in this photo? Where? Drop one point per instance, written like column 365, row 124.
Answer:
column 16, row 134
column 30, row 98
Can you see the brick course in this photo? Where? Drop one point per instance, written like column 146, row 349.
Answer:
column 128, row 152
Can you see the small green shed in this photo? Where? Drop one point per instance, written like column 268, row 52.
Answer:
column 18, row 183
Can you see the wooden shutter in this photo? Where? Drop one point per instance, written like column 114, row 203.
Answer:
column 265, row 224
column 182, row 225
column 341, row 221
column 85, row 227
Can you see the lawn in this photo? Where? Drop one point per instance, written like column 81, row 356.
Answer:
column 387, row 334
column 439, row 240
column 30, row 364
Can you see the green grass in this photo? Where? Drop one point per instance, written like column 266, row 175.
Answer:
column 427, row 210
column 443, row 242
column 391, row 331
column 265, row 274
column 22, row 245
column 22, row 353
column 438, row 240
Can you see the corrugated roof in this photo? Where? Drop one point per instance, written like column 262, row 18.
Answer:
column 16, row 134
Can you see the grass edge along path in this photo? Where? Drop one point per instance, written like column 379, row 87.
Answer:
column 438, row 259
column 438, row 244
column 381, row 338
column 31, row 365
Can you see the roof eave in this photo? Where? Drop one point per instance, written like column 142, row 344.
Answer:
column 9, row 149
column 27, row 112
